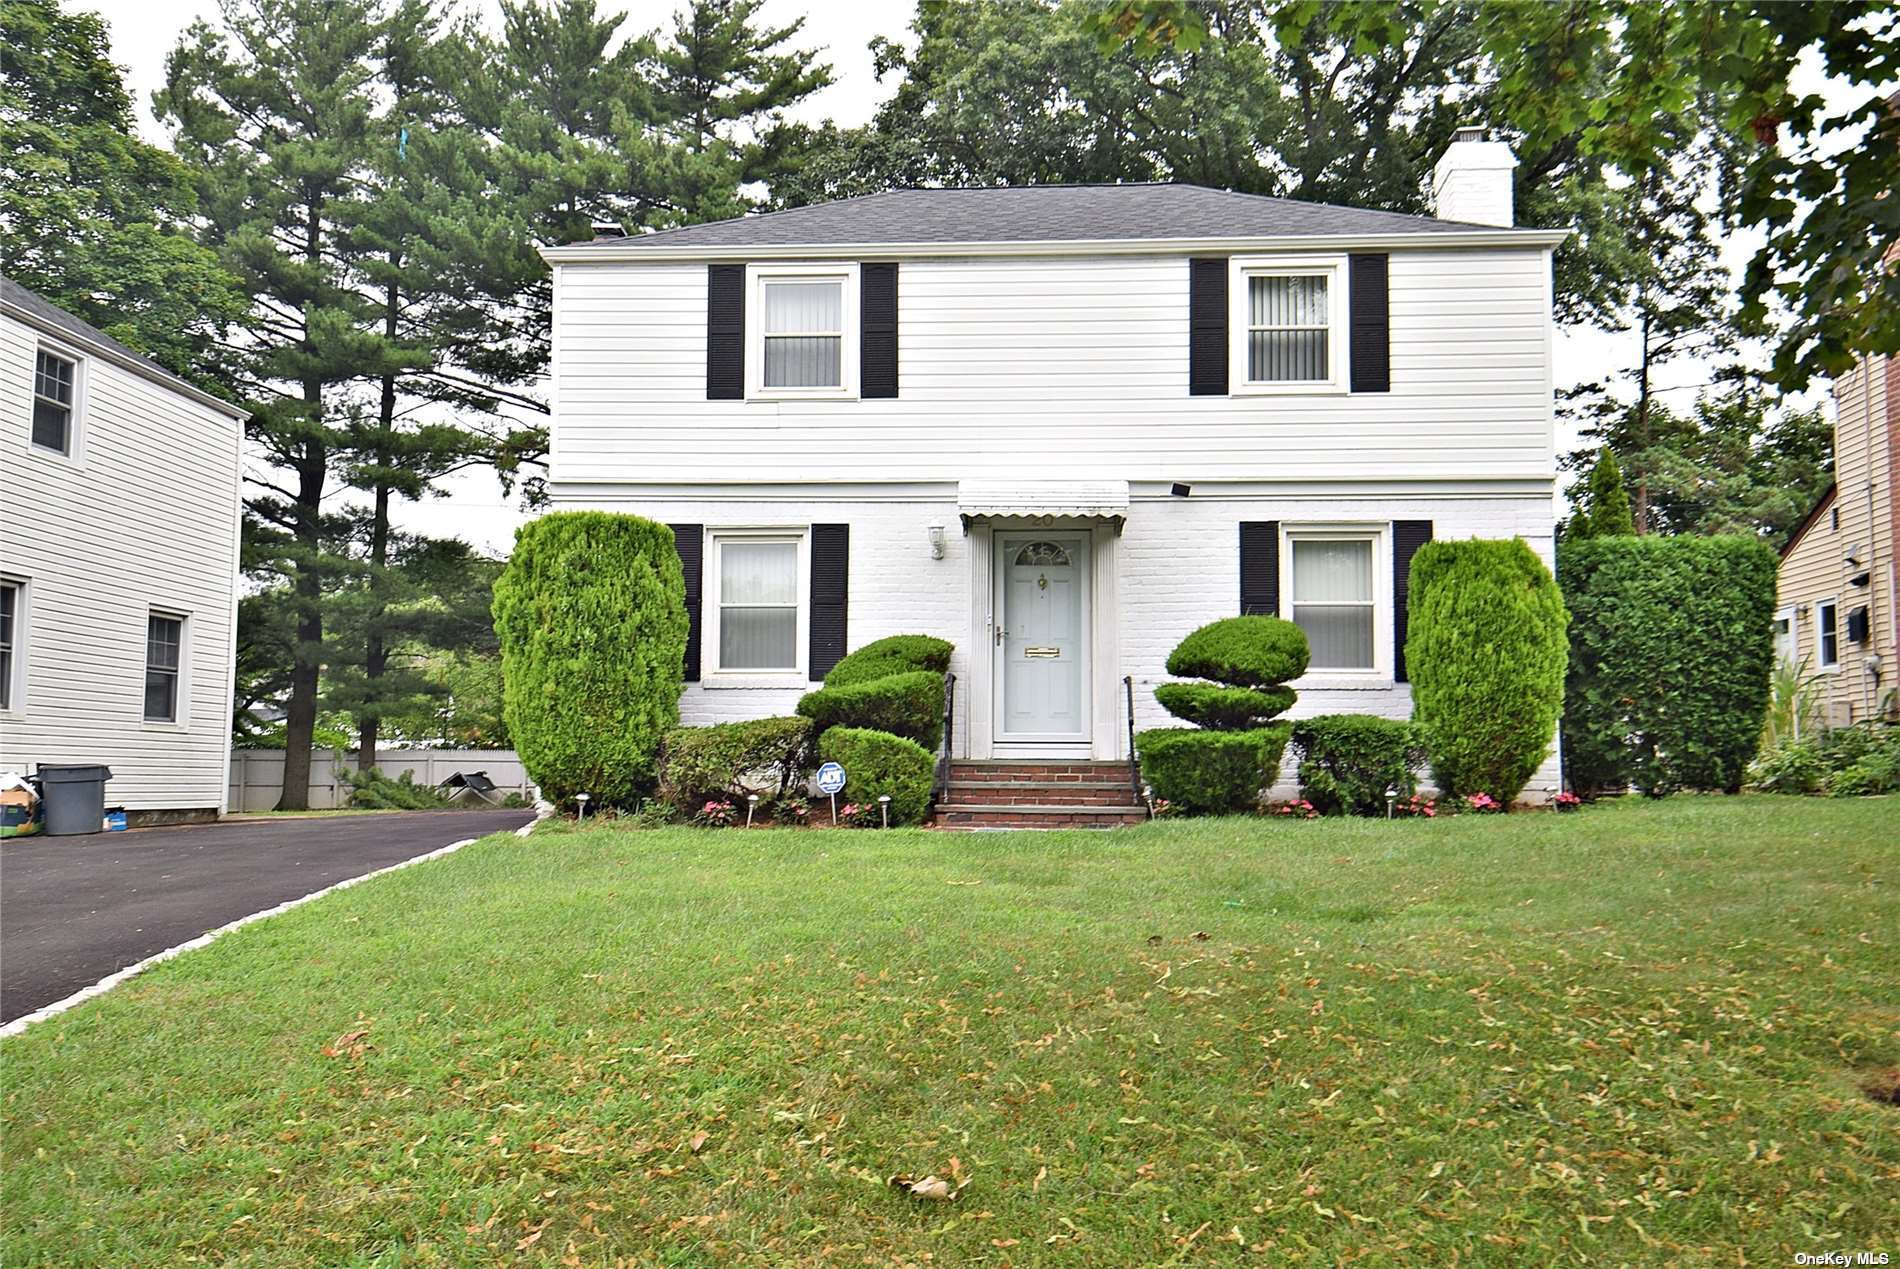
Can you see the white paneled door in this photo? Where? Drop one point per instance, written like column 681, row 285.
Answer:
column 1042, row 637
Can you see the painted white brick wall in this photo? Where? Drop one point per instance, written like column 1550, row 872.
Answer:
column 1177, row 564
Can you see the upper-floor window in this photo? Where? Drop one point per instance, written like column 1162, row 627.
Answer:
column 802, row 317
column 55, row 398
column 757, row 602
column 1288, row 324
column 164, row 662
column 9, row 640
column 1827, row 633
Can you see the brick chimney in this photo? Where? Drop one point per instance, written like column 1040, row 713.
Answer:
column 1473, row 181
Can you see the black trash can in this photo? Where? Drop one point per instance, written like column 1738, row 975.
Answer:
column 73, row 799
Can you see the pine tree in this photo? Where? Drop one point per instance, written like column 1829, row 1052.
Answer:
column 1603, row 504
column 274, row 114
column 721, row 84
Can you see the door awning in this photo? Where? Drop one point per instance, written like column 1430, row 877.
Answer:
column 1043, row 500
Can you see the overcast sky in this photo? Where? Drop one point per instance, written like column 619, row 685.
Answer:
column 143, row 32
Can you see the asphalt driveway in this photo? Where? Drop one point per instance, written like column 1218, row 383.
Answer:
column 74, row 909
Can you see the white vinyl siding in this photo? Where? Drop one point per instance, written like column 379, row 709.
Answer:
column 1076, row 366
column 148, row 522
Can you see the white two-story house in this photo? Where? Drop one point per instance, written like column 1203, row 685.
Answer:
column 118, row 565
column 1061, row 427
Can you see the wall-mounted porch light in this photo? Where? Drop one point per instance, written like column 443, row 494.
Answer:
column 935, row 533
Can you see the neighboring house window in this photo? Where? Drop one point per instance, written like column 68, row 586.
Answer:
column 757, row 607
column 1334, row 598
column 1287, row 324
column 164, row 645
column 806, row 324
column 55, row 391
column 1784, row 636
column 1827, row 635
column 9, row 640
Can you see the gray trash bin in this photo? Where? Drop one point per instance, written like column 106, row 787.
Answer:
column 73, row 798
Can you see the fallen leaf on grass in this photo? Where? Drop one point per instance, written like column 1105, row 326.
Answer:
column 698, row 1142
column 350, row 1043
column 932, row 1187
column 963, row 883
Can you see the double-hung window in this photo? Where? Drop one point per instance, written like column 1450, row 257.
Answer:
column 9, row 640
column 805, row 322
column 1784, row 637
column 1333, row 598
column 55, row 397
column 1287, row 324
column 164, row 649
column 1827, row 633
column 757, row 605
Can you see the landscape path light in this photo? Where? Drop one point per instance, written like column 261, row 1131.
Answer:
column 884, row 808
column 581, row 798
column 751, row 805
column 1391, row 799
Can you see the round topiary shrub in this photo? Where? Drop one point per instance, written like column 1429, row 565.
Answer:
column 894, row 654
column 591, row 614
column 1486, row 649
column 1223, row 764
column 876, row 762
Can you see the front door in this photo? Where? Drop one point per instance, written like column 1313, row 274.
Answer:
column 1042, row 638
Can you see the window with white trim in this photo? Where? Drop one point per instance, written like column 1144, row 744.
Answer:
column 55, row 400
column 1333, row 597
column 1827, row 633
column 758, row 603
column 10, row 617
column 1288, row 324
column 164, row 665
column 1784, row 637
column 803, row 331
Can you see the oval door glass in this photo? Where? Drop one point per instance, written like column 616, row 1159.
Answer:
column 1042, row 645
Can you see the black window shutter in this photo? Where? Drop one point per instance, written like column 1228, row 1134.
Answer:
column 691, row 541
column 1260, row 568
column 830, row 595
column 877, row 330
column 725, row 332
column 1407, row 537
column 1370, row 324
column 1207, row 326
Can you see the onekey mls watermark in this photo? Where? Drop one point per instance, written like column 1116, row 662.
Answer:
column 1842, row 1258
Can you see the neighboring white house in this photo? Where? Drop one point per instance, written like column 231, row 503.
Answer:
column 1062, row 427
column 118, row 564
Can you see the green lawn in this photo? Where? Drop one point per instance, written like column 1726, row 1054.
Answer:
column 1632, row 1035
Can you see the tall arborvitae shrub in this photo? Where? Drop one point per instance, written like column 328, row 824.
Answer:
column 1603, row 504
column 591, row 612
column 1223, row 764
column 1486, row 649
column 1671, row 657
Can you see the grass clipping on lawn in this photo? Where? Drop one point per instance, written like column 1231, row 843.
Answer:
column 1633, row 1035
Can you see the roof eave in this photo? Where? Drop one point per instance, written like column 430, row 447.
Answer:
column 630, row 249
column 134, row 364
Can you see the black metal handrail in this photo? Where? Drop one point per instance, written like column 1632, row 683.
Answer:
column 1134, row 763
column 942, row 785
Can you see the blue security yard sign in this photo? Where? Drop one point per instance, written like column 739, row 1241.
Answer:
column 831, row 778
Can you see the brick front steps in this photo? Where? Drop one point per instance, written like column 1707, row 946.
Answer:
column 1059, row 794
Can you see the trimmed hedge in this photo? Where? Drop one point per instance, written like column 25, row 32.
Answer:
column 1233, row 755
column 591, row 613
column 877, row 762
column 1211, row 772
column 895, row 654
column 729, row 759
column 1671, row 655
column 1348, row 761
column 1486, row 651
column 1242, row 651
column 908, row 705
column 1224, row 708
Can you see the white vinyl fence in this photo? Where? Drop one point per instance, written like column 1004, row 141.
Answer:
column 257, row 775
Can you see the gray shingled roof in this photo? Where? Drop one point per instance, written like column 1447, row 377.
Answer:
column 48, row 314
column 1041, row 213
